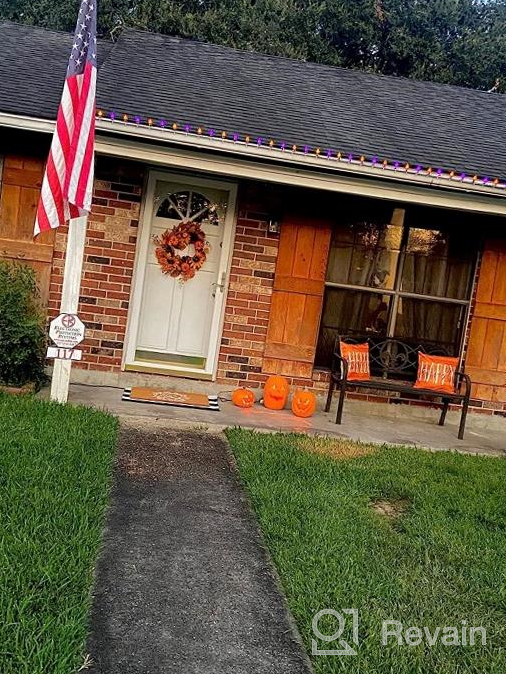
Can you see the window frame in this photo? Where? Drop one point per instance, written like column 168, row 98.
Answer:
column 396, row 294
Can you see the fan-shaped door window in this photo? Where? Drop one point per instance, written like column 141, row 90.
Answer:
column 188, row 205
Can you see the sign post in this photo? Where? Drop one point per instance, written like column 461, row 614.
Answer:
column 69, row 301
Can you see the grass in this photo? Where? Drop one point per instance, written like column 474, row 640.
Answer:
column 439, row 560
column 55, row 467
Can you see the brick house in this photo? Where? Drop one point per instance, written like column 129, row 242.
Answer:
column 333, row 201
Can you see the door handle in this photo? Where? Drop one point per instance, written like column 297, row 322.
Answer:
column 221, row 285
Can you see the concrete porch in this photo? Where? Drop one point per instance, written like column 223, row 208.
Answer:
column 367, row 422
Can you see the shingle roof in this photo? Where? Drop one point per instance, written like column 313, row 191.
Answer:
column 226, row 89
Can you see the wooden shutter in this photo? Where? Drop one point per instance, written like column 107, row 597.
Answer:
column 20, row 182
column 486, row 355
column 297, row 298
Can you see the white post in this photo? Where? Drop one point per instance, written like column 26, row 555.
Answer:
column 69, row 300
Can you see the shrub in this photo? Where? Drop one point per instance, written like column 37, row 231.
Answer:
column 22, row 328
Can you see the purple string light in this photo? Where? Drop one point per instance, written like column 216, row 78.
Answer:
column 328, row 153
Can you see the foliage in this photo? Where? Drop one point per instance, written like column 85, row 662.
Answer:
column 55, row 468
column 22, row 332
column 453, row 41
column 398, row 533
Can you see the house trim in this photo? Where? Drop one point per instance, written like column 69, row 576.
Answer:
column 239, row 160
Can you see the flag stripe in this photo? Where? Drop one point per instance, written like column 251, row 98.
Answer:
column 67, row 187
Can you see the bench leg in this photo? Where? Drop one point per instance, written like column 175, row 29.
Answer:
column 442, row 418
column 463, row 418
column 340, row 404
column 329, row 396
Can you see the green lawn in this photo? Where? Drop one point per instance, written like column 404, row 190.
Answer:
column 439, row 562
column 55, row 468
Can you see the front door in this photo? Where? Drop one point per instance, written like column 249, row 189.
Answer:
column 174, row 323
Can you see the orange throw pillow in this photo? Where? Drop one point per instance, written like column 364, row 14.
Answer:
column 357, row 357
column 436, row 373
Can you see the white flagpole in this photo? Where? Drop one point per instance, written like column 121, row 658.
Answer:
column 69, row 300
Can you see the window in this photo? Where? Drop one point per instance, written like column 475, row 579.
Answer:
column 397, row 273
column 187, row 205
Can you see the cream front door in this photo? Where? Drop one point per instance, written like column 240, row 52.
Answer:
column 175, row 325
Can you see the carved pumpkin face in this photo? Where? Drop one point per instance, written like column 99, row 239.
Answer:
column 276, row 391
column 243, row 397
column 303, row 403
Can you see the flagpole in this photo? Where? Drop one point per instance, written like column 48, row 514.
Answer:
column 74, row 256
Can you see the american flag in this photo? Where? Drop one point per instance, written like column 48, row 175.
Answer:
column 68, row 182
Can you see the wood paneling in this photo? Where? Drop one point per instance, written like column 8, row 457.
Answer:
column 20, row 181
column 486, row 355
column 297, row 297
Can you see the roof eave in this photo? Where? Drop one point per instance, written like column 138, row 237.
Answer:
column 253, row 150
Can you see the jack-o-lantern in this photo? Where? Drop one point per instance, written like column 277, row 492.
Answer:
column 303, row 403
column 276, row 391
column 243, row 397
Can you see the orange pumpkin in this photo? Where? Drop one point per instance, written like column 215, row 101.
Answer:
column 243, row 397
column 303, row 403
column 276, row 391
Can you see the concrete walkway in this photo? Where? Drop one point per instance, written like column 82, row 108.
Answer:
column 183, row 583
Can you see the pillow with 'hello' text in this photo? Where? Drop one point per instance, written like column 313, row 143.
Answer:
column 357, row 357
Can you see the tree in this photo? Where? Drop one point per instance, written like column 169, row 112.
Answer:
column 453, row 41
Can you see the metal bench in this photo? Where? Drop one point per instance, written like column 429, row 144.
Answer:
column 394, row 366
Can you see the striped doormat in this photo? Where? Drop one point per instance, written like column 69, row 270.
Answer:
column 160, row 396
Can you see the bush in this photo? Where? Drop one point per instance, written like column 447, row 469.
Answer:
column 22, row 327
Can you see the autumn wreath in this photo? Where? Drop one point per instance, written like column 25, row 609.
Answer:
column 179, row 238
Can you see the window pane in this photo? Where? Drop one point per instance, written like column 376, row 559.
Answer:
column 435, row 322
column 365, row 252
column 438, row 263
column 349, row 312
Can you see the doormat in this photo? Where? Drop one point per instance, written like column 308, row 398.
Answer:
column 161, row 396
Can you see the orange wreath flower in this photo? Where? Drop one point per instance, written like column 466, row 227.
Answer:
column 181, row 237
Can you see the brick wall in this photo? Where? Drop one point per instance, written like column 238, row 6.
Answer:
column 108, row 264
column 249, row 295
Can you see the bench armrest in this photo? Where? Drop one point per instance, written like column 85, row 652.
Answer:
column 339, row 367
column 463, row 379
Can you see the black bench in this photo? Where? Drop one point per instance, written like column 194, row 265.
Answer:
column 394, row 366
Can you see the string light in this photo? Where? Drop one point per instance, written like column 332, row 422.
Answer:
column 373, row 162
